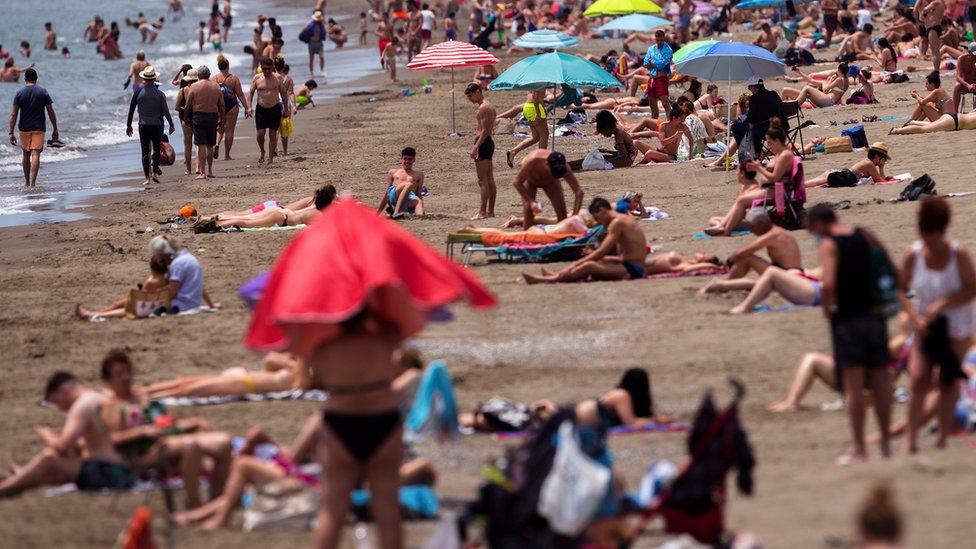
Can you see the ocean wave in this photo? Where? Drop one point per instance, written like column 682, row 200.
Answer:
column 11, row 163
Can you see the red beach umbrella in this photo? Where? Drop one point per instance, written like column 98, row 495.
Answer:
column 451, row 55
column 347, row 258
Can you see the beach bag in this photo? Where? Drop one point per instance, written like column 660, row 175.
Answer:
column 229, row 97
column 287, row 127
column 837, row 145
column 593, row 161
column 922, row 185
column 884, row 285
column 859, row 140
column 141, row 304
column 282, row 505
column 841, row 178
column 575, row 487
column 306, row 34
column 505, row 415
column 167, row 154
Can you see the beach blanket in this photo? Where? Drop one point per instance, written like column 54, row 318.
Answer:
column 717, row 271
column 781, row 309
column 701, row 234
column 500, row 239
column 297, row 394
column 140, row 487
column 198, row 310
column 652, row 213
column 434, row 409
column 615, row 431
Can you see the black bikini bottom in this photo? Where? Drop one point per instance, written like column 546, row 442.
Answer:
column 362, row 434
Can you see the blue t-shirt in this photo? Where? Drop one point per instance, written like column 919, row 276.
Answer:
column 187, row 270
column 658, row 60
column 32, row 101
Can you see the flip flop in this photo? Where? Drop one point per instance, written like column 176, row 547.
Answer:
column 55, row 143
column 508, row 158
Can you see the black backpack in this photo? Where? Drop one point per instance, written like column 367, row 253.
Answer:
column 923, row 185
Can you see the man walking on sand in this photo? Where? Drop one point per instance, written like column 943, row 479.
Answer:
column 151, row 103
column 272, row 106
column 30, row 103
column 205, row 103
column 483, row 150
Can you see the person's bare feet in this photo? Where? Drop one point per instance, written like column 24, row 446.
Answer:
column 547, row 272
column 186, row 172
column 146, row 182
column 714, row 231
column 155, row 179
column 227, row 157
column 261, row 160
column 738, row 310
column 707, row 288
column 909, row 447
column 200, row 177
column 210, row 174
column 479, row 215
column 533, row 279
column 510, row 222
column 850, row 458
column 781, row 406
column 82, row 312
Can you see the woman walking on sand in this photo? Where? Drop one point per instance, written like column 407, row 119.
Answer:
column 230, row 87
column 941, row 273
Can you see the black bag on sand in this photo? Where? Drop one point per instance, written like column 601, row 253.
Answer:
column 922, row 185
column 841, row 178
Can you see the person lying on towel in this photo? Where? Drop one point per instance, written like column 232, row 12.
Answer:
column 621, row 256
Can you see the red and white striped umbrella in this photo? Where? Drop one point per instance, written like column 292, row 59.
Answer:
column 451, row 55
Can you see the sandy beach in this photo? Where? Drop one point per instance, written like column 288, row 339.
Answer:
column 565, row 342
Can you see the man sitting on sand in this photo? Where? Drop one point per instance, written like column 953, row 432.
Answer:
column 871, row 168
column 403, row 188
column 621, row 255
column 102, row 467
column 541, row 169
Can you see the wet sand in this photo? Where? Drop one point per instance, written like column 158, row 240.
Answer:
column 564, row 342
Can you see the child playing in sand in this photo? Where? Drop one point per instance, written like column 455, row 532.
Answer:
column 303, row 96
column 389, row 54
column 156, row 281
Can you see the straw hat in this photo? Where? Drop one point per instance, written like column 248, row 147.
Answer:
column 191, row 76
column 148, row 73
column 880, row 147
column 317, row 16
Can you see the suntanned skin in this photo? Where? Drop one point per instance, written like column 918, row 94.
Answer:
column 673, row 262
column 965, row 77
column 230, row 123
column 406, row 180
column 625, row 242
column 204, row 96
column 135, row 68
column 780, row 245
column 270, row 89
column 534, row 174
column 485, row 117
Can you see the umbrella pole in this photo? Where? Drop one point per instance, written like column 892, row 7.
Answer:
column 454, row 132
column 728, row 133
column 552, row 136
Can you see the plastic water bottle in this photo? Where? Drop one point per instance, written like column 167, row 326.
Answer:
column 683, row 151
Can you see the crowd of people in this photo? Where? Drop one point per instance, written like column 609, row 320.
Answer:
column 119, row 433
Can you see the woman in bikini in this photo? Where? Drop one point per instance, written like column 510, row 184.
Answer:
column 484, row 75
column 887, row 60
column 946, row 123
column 282, row 372
column 534, row 112
column 935, row 104
column 574, row 224
column 275, row 216
column 831, row 92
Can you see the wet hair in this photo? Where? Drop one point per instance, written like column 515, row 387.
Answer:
column 879, row 518
column 934, row 215
column 605, row 121
column 557, row 164
column 597, row 204
column 934, row 79
column 157, row 267
column 56, row 381
column 222, row 63
column 471, row 88
column 30, row 75
column 637, row 384
column 823, row 213
column 115, row 356
column 775, row 131
column 311, row 84
column 409, row 151
column 324, row 196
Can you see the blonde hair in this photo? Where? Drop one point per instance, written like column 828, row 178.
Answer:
column 222, row 62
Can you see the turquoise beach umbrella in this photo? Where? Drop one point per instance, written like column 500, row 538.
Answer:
column 635, row 22
column 690, row 48
column 546, row 39
column 551, row 70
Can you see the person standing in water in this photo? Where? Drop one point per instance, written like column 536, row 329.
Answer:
column 30, row 105
column 135, row 69
column 483, row 150
column 233, row 92
column 50, row 37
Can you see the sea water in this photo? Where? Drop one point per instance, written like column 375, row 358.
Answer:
column 91, row 104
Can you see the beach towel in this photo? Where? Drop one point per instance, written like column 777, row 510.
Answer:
column 313, row 395
column 717, row 271
column 416, row 501
column 499, row 239
column 701, row 234
column 434, row 409
column 275, row 228
column 789, row 307
column 615, row 431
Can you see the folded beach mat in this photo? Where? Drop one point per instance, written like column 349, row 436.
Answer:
column 314, row 395
column 717, row 271
column 622, row 430
column 434, row 409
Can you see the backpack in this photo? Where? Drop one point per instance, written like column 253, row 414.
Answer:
column 884, row 277
column 841, row 178
column 914, row 190
column 230, row 99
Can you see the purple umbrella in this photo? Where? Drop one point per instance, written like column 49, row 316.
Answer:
column 701, row 8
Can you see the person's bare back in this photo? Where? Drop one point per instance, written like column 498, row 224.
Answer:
column 631, row 241
column 205, row 97
column 783, row 249
column 86, row 411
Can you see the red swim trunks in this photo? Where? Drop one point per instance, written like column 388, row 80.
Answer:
column 382, row 43
column 658, row 87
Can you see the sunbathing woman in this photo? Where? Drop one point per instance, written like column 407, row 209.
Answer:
column 282, row 372
column 574, row 224
column 814, row 366
column 299, row 204
column 831, row 92
column 871, row 168
column 673, row 262
column 887, row 60
column 935, row 104
column 281, row 217
column 798, row 289
column 946, row 123
column 156, row 281
column 781, row 169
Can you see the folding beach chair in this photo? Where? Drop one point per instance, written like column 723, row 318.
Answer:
column 793, row 114
column 787, row 209
column 568, row 250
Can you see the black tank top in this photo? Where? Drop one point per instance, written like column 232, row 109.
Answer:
column 854, row 291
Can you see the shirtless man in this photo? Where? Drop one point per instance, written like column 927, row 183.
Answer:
column 403, row 187
column 669, row 134
column 965, row 75
column 82, row 452
column 621, row 255
column 929, row 13
column 768, row 37
column 541, row 169
column 135, row 68
column 272, row 106
column 384, row 35
column 414, row 22
column 11, row 73
column 858, row 46
column 483, row 150
column 686, row 9
column 205, row 103
column 258, row 46
column 50, row 38
column 91, row 31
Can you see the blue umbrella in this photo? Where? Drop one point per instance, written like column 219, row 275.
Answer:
column 546, row 39
column 552, row 70
column 635, row 22
column 760, row 4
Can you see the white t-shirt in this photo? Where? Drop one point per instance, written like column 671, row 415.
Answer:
column 428, row 20
column 863, row 18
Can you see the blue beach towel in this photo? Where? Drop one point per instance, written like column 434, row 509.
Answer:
column 434, row 407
